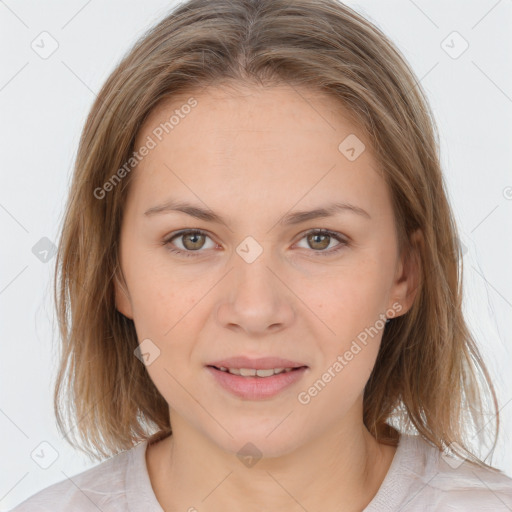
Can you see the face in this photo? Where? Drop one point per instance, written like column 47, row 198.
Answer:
column 253, row 280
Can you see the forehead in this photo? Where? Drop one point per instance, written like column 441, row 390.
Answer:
column 255, row 143
column 242, row 106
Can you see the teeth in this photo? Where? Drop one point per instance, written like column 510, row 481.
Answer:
column 250, row 372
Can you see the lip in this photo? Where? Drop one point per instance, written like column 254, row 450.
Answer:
column 257, row 388
column 262, row 363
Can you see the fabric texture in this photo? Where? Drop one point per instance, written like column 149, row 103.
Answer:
column 420, row 479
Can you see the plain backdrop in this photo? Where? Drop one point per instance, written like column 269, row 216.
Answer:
column 44, row 103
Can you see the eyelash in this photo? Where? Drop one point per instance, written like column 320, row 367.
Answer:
column 189, row 254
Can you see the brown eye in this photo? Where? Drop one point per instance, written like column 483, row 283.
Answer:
column 193, row 241
column 187, row 242
column 319, row 241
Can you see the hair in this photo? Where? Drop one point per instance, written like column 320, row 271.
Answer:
column 429, row 376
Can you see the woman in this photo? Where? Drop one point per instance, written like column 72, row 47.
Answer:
column 259, row 278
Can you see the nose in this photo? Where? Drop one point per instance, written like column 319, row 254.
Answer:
column 254, row 299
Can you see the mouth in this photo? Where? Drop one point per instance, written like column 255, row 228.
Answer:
column 256, row 383
column 256, row 372
column 260, row 363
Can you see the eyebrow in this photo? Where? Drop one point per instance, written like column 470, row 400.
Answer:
column 289, row 219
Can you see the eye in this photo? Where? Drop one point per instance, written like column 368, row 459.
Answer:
column 193, row 241
column 320, row 239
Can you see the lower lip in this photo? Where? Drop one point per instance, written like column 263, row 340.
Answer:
column 256, row 388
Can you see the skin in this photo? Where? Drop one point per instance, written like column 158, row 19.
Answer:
column 253, row 155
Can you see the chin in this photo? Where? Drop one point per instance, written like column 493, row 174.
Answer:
column 257, row 441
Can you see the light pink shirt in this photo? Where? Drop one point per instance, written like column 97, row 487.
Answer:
column 419, row 479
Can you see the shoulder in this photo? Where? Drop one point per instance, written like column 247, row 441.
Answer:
column 449, row 483
column 102, row 487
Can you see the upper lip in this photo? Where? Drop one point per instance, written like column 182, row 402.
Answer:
column 262, row 363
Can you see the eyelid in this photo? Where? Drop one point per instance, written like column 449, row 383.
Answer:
column 342, row 240
column 190, row 231
column 339, row 237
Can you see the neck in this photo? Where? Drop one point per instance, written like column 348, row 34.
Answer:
column 342, row 468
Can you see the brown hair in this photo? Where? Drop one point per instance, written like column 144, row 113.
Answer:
column 428, row 371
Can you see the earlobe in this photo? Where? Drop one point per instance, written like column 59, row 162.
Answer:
column 414, row 265
column 122, row 297
column 407, row 283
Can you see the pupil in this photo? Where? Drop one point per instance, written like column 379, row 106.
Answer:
column 193, row 236
column 324, row 243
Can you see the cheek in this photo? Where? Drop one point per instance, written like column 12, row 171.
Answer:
column 349, row 354
column 350, row 305
column 335, row 388
column 162, row 297
column 164, row 312
column 349, row 298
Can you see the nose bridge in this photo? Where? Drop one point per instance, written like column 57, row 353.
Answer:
column 252, row 272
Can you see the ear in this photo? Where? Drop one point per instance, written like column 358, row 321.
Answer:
column 407, row 277
column 123, row 300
